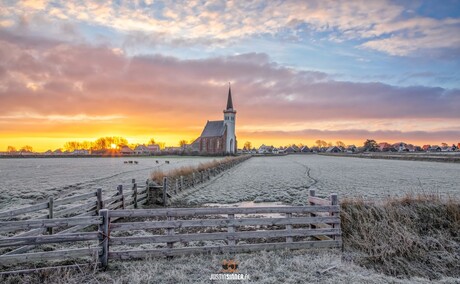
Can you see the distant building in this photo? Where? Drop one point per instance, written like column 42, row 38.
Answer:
column 305, row 149
column 426, row 148
column 141, row 150
column 125, row 150
column 218, row 137
column 333, row 149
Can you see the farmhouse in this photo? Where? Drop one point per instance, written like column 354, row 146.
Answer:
column 333, row 149
column 218, row 137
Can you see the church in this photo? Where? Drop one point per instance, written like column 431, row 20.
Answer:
column 218, row 137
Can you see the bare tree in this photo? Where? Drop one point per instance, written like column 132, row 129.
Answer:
column 247, row 145
column 11, row 149
column 340, row 144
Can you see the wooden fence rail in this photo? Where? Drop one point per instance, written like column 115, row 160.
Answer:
column 173, row 231
column 172, row 185
column 92, row 203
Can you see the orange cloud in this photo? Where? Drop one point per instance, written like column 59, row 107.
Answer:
column 54, row 89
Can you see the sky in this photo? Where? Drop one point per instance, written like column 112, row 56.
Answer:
column 300, row 70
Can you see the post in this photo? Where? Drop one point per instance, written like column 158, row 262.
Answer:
column 100, row 204
column 50, row 213
column 181, row 183
column 120, row 192
column 104, row 238
column 289, row 228
column 170, row 232
column 231, row 229
column 312, row 193
column 165, row 189
column 335, row 201
column 202, row 176
column 193, row 179
column 147, row 189
column 135, row 193
column 176, row 188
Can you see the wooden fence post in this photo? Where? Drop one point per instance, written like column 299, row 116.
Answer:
column 104, row 238
column 289, row 228
column 170, row 232
column 231, row 229
column 135, row 193
column 165, row 190
column 312, row 193
column 100, row 204
column 193, row 179
column 50, row 213
column 147, row 189
column 181, row 183
column 335, row 201
column 176, row 188
column 120, row 192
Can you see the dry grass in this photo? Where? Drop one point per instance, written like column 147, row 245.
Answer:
column 410, row 236
column 157, row 175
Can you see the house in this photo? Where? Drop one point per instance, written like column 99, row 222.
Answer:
column 435, row 148
column 426, row 148
column 289, row 150
column 305, row 149
column 80, row 152
column 262, row 149
column 350, row 149
column 385, row 147
column 153, row 148
column 333, row 149
column 275, row 150
column 400, row 147
column 218, row 137
column 448, row 148
column 125, row 150
column 141, row 150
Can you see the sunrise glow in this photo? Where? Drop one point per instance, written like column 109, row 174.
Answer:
column 300, row 71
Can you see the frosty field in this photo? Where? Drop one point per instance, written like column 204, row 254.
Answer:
column 288, row 179
column 24, row 181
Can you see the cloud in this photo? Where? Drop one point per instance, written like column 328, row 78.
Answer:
column 384, row 26
column 42, row 79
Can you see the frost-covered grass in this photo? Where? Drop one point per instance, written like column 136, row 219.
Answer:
column 288, row 178
column 408, row 236
column 301, row 266
column 25, row 181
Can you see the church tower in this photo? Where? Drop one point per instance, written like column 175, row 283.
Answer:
column 229, row 122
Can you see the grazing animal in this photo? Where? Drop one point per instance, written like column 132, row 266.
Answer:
column 136, row 162
column 157, row 161
column 167, row 162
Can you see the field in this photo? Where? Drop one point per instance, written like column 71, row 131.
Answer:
column 422, row 250
column 288, row 178
column 24, row 181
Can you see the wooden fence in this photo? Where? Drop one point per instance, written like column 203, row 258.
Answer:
column 180, row 231
column 172, row 185
column 90, row 205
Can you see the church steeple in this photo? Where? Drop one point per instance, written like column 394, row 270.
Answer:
column 229, row 99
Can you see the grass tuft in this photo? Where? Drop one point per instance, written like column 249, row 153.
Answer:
column 415, row 235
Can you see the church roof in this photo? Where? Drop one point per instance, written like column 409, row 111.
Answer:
column 229, row 100
column 213, row 129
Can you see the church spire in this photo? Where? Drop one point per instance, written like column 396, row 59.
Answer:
column 229, row 100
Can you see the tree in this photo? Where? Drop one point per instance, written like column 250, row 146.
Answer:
column 340, row 144
column 11, row 149
column 321, row 143
column 27, row 148
column 162, row 145
column 370, row 145
column 104, row 143
column 183, row 143
column 247, row 145
column 151, row 141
